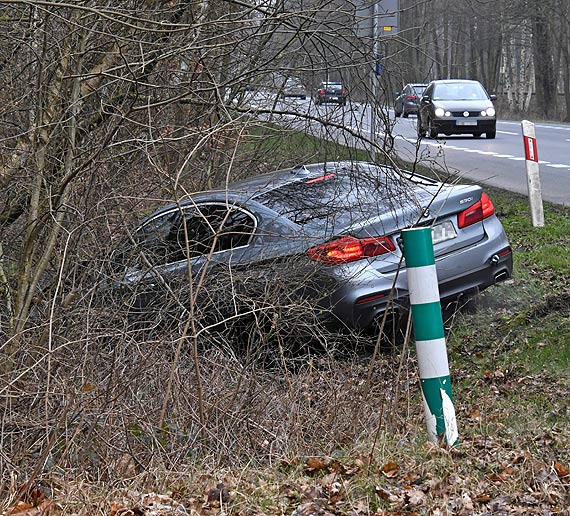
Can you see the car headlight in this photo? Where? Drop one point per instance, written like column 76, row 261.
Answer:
column 439, row 112
column 488, row 112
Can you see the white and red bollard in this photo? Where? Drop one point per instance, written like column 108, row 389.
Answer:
column 532, row 173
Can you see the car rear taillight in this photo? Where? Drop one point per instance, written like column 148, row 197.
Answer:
column 343, row 91
column 412, row 97
column 477, row 212
column 321, row 92
column 350, row 249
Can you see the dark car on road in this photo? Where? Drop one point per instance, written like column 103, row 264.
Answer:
column 407, row 101
column 456, row 106
column 294, row 88
column 336, row 227
column 331, row 92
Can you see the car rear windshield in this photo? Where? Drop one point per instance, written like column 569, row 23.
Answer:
column 419, row 90
column 333, row 86
column 339, row 198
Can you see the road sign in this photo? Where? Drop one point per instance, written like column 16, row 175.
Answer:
column 387, row 17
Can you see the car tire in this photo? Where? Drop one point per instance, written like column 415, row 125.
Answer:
column 476, row 135
column 405, row 115
column 397, row 113
column 421, row 130
column 432, row 130
column 491, row 134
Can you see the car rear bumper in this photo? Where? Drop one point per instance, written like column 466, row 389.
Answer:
column 331, row 99
column 364, row 298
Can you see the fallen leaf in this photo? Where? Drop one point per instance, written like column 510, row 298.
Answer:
column 390, row 469
column 382, row 493
column 19, row 508
column 482, row 498
column 311, row 509
column 316, row 464
column 562, row 471
column 415, row 496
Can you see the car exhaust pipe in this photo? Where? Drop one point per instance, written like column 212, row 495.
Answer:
column 501, row 276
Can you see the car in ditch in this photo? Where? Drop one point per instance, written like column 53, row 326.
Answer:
column 335, row 227
column 456, row 106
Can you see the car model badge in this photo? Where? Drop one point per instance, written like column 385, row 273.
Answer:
column 465, row 113
column 425, row 212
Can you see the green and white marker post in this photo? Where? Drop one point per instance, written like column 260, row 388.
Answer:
column 430, row 339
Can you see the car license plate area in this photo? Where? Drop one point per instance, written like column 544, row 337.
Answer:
column 466, row 122
column 442, row 232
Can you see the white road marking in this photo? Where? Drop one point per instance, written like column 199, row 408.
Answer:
column 446, row 146
column 544, row 126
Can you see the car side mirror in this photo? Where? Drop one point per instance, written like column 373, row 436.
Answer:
column 493, row 97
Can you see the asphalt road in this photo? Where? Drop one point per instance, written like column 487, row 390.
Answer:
column 499, row 162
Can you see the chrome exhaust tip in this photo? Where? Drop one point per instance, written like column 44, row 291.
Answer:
column 501, row 276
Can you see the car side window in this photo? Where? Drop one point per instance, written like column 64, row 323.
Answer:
column 233, row 227
column 173, row 236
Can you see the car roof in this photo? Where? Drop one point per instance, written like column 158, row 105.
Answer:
column 453, row 81
column 260, row 185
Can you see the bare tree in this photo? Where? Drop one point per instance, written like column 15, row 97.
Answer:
column 108, row 112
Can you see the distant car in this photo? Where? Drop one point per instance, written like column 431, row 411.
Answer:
column 336, row 226
column 331, row 92
column 456, row 106
column 294, row 88
column 407, row 101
